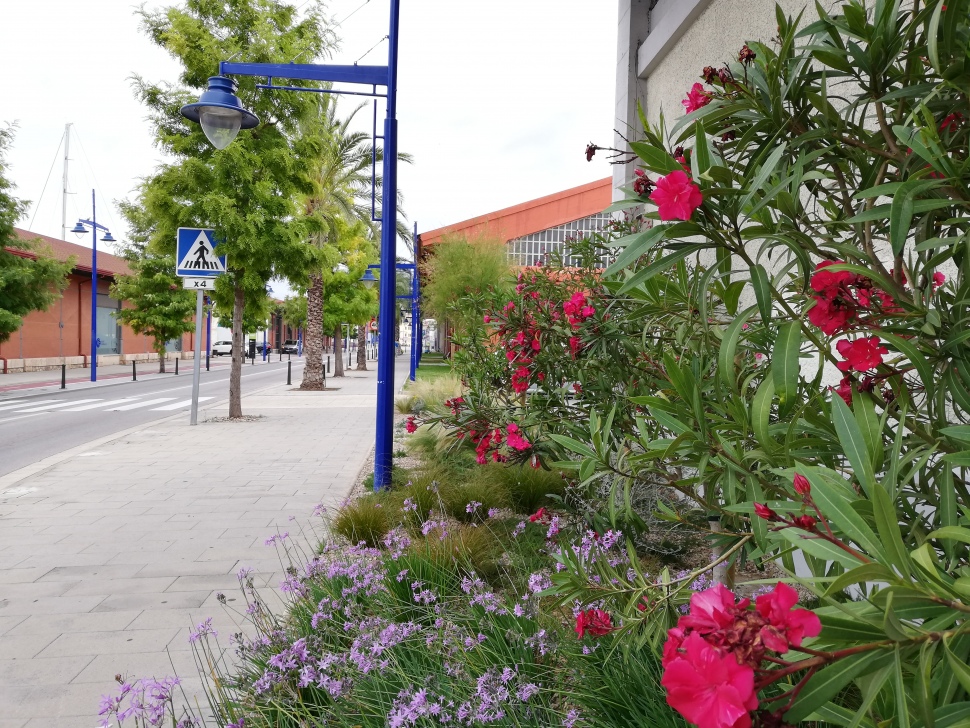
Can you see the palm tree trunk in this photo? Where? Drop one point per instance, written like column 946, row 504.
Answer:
column 338, row 354
column 235, row 373
column 313, row 375
column 362, row 348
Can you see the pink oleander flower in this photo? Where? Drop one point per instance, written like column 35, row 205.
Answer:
column 411, row 426
column 861, row 354
column 709, row 689
column 788, row 626
column 830, row 316
column 697, row 98
column 938, row 280
column 712, row 609
column 676, row 196
column 594, row 622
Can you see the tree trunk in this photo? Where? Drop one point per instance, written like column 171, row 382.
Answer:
column 313, row 374
column 338, row 353
column 362, row 348
column 160, row 350
column 235, row 373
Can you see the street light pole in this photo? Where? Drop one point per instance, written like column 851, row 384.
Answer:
column 222, row 115
column 80, row 229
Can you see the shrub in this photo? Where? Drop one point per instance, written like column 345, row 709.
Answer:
column 470, row 498
column 364, row 519
column 530, row 487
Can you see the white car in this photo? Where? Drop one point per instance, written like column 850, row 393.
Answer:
column 222, row 347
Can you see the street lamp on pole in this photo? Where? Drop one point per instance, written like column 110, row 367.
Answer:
column 80, row 229
column 222, row 115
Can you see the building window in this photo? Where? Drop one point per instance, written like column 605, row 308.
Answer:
column 109, row 330
column 535, row 248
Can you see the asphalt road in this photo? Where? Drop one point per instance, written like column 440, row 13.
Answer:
column 37, row 425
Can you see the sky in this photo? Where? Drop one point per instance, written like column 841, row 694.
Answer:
column 496, row 100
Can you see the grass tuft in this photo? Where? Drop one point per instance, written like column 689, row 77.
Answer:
column 364, row 519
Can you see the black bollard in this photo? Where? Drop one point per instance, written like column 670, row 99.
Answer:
column 207, row 361
column 289, row 372
column 177, row 365
column 328, row 365
column 63, row 376
column 281, row 355
column 134, row 373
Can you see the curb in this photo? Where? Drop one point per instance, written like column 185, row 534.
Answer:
column 49, row 462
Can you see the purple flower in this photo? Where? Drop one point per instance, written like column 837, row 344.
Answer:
column 519, row 529
column 493, row 512
column 243, row 573
column 472, row 507
column 201, row 630
column 572, row 717
column 526, row 691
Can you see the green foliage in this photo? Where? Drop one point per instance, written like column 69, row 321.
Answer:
column 294, row 311
column 530, row 488
column 462, row 274
column 485, row 487
column 363, row 519
column 26, row 284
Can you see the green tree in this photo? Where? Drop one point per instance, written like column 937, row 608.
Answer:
column 248, row 191
column 462, row 276
column 161, row 308
column 341, row 196
column 26, row 284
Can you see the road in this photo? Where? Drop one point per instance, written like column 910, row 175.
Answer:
column 36, row 426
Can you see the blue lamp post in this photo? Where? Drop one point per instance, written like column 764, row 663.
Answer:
column 369, row 280
column 222, row 115
column 80, row 229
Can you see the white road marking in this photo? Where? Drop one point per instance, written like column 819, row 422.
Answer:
column 24, row 404
column 58, row 405
column 178, row 405
column 109, row 403
column 22, row 417
column 137, row 405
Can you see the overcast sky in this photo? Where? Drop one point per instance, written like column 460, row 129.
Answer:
column 497, row 100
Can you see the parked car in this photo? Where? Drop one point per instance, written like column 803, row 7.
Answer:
column 290, row 346
column 222, row 347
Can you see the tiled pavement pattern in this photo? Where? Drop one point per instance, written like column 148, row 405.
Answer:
column 109, row 557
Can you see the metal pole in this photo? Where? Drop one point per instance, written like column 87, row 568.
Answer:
column 63, row 376
column 64, row 192
column 134, row 373
column 289, row 372
column 328, row 365
column 384, row 442
column 94, row 291
column 197, row 359
column 208, row 334
column 178, row 355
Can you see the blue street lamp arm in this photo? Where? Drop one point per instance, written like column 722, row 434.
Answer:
column 366, row 75
column 93, row 224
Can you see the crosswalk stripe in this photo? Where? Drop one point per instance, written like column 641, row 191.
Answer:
column 178, row 405
column 137, row 405
column 22, row 403
column 57, row 405
column 99, row 404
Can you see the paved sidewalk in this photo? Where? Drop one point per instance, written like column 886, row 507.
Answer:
column 109, row 557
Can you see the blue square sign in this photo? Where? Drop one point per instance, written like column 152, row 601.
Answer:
column 195, row 256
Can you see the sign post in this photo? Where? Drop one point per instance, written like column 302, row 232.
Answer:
column 198, row 266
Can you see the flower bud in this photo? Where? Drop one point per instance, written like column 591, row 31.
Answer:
column 802, row 486
column 765, row 512
column 806, row 523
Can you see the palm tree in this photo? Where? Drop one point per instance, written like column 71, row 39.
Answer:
column 342, row 190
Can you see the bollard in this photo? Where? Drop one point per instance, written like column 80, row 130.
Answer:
column 177, row 365
column 289, row 356
column 328, row 365
column 207, row 361
column 63, row 376
column 134, row 373
column 289, row 371
column 281, row 355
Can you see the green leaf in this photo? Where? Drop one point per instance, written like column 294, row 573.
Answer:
column 887, row 526
column 573, row 445
column 762, row 291
column 784, row 363
column 829, row 682
column 658, row 266
column 900, row 220
column 761, row 412
column 860, row 575
column 640, row 244
column 853, row 444
column 923, row 368
column 702, row 155
column 819, row 548
column 655, row 159
column 960, row 459
column 957, row 432
column 729, row 347
column 835, row 502
column 954, row 533
column 958, row 666
column 767, row 169
column 870, row 426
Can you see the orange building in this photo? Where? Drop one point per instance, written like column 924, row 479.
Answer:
column 533, row 229
column 62, row 333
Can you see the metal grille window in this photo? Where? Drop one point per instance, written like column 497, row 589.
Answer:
column 535, row 248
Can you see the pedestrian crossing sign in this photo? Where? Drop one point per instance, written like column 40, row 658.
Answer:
column 195, row 256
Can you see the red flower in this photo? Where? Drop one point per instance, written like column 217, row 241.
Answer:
column 938, row 280
column 676, row 196
column 410, row 425
column 830, row 316
column 697, row 98
column 520, row 380
column 641, row 183
column 765, row 512
column 802, row 486
column 861, row 355
column 711, row 610
column 806, row 523
column 829, row 283
column 487, row 318
column 574, row 346
column 595, row 622
column 793, row 625
column 675, row 638
column 844, row 390
column 709, row 689
column 539, row 515
column 515, row 440
column 953, row 120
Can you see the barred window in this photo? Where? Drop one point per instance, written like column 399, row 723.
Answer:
column 535, row 248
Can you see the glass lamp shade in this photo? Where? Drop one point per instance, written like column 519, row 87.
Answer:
column 108, row 238
column 368, row 279
column 220, row 125
column 79, row 229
